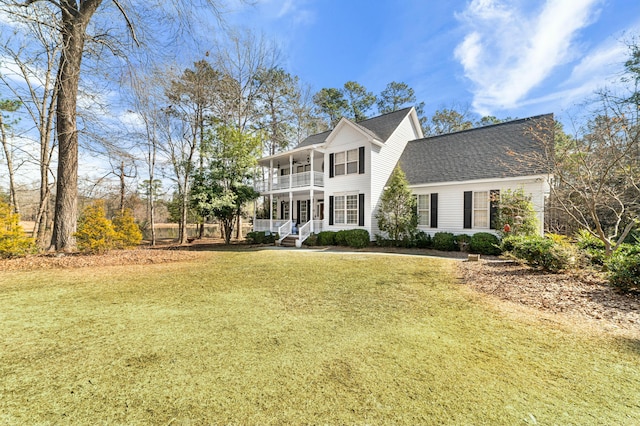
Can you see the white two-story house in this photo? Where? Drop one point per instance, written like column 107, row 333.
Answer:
column 334, row 180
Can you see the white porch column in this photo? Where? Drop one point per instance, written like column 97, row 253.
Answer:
column 270, row 175
column 290, row 174
column 313, row 175
column 312, row 207
column 271, row 212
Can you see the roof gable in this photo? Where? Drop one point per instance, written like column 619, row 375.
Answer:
column 488, row 152
column 378, row 128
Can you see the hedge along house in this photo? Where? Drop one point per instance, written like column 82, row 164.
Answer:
column 334, row 180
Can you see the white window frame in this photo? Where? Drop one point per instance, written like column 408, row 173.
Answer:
column 286, row 211
column 424, row 211
column 476, row 208
column 344, row 215
column 347, row 165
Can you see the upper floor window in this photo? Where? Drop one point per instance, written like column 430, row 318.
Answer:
column 346, row 162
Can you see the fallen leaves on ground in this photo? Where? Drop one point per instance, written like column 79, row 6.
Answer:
column 578, row 294
column 111, row 258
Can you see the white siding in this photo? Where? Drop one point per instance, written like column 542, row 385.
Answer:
column 451, row 201
column 348, row 138
column 383, row 161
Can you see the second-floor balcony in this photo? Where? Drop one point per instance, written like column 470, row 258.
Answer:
column 293, row 181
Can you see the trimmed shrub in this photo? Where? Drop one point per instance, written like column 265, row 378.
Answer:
column 592, row 247
column 128, row 233
column 312, row 240
column 444, row 241
column 261, row 237
column 384, row 242
column 422, row 240
column 541, row 252
column 463, row 242
column 484, row 243
column 357, row 238
column 13, row 242
column 624, row 268
column 95, row 232
column 326, row 238
column 341, row 238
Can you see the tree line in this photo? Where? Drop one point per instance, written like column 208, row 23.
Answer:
column 202, row 126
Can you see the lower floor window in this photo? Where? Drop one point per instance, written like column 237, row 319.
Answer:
column 424, row 215
column 346, row 209
column 481, row 209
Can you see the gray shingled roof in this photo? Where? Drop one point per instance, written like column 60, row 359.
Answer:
column 381, row 126
column 481, row 153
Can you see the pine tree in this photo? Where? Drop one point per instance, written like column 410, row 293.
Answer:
column 397, row 213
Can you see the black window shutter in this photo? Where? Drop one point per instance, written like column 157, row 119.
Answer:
column 468, row 200
column 309, row 213
column 360, row 209
column 361, row 160
column 331, row 165
column 298, row 212
column 331, row 210
column 281, row 210
column 434, row 210
column 493, row 207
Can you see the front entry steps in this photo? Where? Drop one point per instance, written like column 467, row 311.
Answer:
column 289, row 241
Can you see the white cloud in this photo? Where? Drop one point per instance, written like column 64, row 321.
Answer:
column 509, row 51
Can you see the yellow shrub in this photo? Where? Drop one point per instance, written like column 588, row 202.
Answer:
column 95, row 232
column 13, row 242
column 127, row 231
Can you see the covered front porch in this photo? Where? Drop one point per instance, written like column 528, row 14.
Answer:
column 298, row 215
column 292, row 194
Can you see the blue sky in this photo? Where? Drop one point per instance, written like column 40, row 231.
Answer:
column 501, row 57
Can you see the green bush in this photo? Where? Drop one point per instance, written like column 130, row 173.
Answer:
column 13, row 242
column 444, row 241
column 341, row 238
column 463, row 241
column 261, row 237
column 484, row 243
column 357, row 238
column 95, row 232
column 624, row 267
column 592, row 247
column 312, row 240
column 326, row 238
column 422, row 240
column 548, row 253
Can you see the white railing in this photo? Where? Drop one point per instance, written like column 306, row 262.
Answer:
column 284, row 230
column 296, row 180
column 261, row 225
column 271, row 225
column 303, row 233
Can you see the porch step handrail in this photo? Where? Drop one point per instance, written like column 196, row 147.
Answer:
column 303, row 233
column 284, row 231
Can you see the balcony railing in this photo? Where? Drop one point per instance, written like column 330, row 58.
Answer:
column 296, row 180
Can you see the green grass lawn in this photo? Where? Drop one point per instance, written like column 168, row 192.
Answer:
column 284, row 337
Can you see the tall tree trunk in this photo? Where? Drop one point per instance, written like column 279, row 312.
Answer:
column 122, row 186
column 8, row 155
column 75, row 17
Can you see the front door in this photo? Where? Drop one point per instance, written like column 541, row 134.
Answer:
column 320, row 210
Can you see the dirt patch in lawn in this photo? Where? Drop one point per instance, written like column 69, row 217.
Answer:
column 580, row 298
